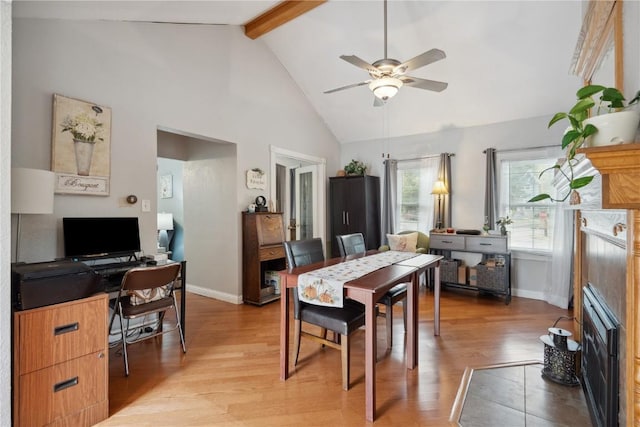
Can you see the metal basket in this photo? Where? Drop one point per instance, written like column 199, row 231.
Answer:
column 494, row 278
column 449, row 270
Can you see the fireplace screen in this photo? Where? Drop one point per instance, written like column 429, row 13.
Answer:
column 600, row 358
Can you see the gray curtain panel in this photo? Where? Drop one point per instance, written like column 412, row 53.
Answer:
column 491, row 189
column 444, row 175
column 389, row 199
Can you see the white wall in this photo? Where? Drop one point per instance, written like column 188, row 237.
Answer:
column 210, row 228
column 210, row 81
column 468, row 174
column 5, row 221
column 631, row 40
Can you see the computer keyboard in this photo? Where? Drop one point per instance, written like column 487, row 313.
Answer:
column 115, row 267
column 113, row 272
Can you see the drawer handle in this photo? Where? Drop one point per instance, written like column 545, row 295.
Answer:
column 447, row 241
column 485, row 244
column 66, row 329
column 65, row 384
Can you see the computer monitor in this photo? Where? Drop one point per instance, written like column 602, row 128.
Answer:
column 89, row 238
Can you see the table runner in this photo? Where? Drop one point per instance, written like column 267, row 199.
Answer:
column 325, row 286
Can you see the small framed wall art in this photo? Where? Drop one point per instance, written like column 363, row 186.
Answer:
column 166, row 186
column 256, row 178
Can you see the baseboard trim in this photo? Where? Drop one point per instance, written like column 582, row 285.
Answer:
column 210, row 293
column 527, row 294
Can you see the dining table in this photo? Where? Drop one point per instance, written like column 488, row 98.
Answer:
column 368, row 290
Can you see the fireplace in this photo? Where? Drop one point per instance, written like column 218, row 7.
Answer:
column 600, row 358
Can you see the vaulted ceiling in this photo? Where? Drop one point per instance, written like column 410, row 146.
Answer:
column 506, row 60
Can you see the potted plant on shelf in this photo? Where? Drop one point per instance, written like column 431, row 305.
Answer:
column 503, row 222
column 618, row 124
column 355, row 167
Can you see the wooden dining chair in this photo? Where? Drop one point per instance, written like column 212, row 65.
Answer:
column 341, row 321
column 350, row 244
column 145, row 291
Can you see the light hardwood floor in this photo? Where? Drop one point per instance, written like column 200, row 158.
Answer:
column 230, row 374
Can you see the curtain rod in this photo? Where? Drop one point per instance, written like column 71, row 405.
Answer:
column 431, row 156
column 521, row 149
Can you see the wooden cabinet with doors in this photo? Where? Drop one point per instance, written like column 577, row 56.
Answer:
column 355, row 208
column 262, row 252
column 61, row 364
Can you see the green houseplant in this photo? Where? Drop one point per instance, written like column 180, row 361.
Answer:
column 580, row 130
column 355, row 167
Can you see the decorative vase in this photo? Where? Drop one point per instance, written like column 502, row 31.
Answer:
column 503, row 230
column 613, row 128
column 84, row 153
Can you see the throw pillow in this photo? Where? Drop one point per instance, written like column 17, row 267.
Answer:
column 403, row 242
column 144, row 296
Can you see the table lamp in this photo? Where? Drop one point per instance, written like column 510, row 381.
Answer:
column 165, row 224
column 439, row 189
column 31, row 193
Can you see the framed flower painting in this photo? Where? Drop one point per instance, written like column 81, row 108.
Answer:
column 81, row 147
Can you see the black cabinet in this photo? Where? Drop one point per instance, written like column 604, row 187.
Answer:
column 354, row 203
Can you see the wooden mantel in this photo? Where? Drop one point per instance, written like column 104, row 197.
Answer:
column 619, row 166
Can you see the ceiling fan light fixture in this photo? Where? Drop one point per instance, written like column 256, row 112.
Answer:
column 385, row 87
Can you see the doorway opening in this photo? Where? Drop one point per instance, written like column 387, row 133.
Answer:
column 299, row 192
column 202, row 201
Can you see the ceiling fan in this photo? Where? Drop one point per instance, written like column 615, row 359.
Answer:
column 389, row 75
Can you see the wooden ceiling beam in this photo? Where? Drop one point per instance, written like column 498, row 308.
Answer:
column 278, row 15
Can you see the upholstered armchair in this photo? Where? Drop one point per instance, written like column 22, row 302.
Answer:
column 422, row 244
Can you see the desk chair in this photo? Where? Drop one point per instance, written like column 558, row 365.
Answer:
column 341, row 321
column 350, row 244
column 144, row 291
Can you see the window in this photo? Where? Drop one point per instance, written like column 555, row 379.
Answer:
column 518, row 181
column 415, row 204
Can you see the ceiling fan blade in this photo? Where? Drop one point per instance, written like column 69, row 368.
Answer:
column 366, row 82
column 421, row 60
column 361, row 63
column 424, row 83
column 377, row 102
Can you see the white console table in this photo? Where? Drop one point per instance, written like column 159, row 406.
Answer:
column 495, row 280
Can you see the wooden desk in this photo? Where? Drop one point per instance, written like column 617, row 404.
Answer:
column 367, row 290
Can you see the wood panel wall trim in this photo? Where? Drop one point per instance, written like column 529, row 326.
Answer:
column 619, row 166
column 278, row 15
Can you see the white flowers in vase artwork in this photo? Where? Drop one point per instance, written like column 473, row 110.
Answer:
column 83, row 127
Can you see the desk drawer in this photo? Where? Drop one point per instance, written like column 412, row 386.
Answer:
column 496, row 244
column 447, row 242
column 63, row 389
column 273, row 252
column 50, row 335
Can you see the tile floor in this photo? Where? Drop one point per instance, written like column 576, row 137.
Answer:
column 519, row 396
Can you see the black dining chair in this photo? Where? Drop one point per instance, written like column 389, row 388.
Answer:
column 341, row 321
column 350, row 244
